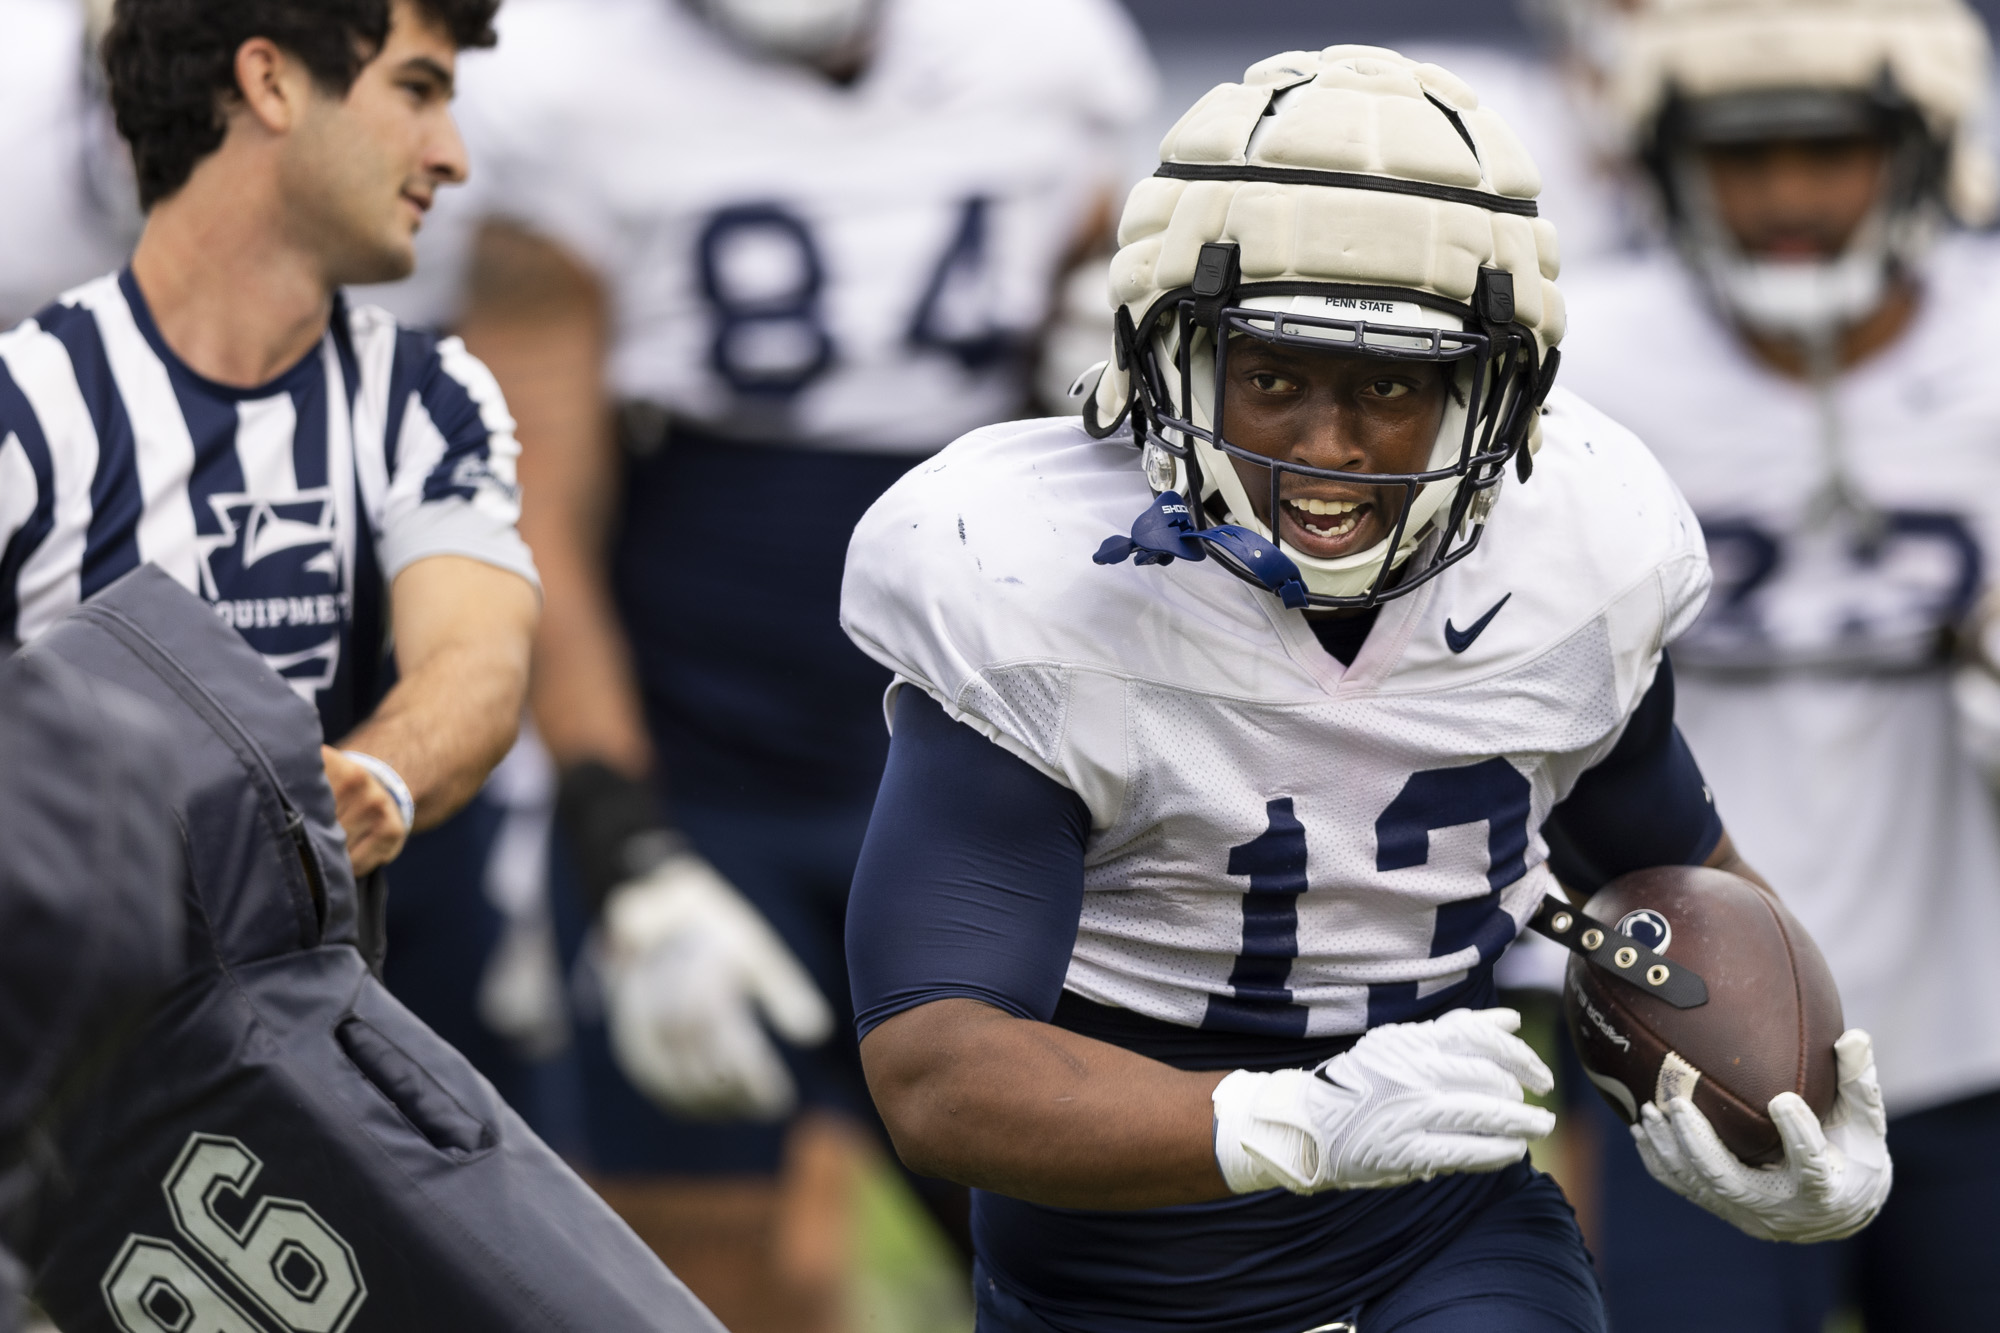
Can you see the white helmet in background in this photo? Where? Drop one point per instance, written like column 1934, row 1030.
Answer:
column 1700, row 73
column 807, row 30
column 1348, row 199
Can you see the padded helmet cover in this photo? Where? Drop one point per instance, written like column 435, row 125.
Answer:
column 1355, row 108
column 1935, row 53
column 1432, row 188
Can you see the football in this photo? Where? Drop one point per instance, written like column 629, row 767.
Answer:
column 1768, row 1025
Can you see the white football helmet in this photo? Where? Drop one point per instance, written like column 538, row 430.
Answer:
column 1349, row 199
column 807, row 30
column 1697, row 73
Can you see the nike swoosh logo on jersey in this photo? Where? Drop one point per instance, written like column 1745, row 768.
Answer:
column 1458, row 640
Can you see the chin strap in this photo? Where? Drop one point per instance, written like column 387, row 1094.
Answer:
column 1165, row 532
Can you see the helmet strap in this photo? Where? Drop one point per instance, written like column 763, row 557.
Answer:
column 1218, row 271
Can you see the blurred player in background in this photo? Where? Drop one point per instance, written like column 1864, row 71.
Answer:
column 72, row 210
column 1174, row 932
column 742, row 263
column 1811, row 366
column 218, row 409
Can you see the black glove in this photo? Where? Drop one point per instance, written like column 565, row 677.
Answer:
column 616, row 825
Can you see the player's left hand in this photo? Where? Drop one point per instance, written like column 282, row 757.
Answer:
column 1834, row 1179
column 369, row 814
column 1410, row 1101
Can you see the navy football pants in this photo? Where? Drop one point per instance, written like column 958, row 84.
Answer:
column 1519, row 1267
column 1929, row 1264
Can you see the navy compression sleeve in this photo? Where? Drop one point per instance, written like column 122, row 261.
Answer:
column 1645, row 804
column 970, row 881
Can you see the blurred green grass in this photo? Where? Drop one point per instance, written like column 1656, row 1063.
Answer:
column 906, row 1280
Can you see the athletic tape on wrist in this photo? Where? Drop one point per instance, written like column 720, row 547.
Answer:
column 392, row 782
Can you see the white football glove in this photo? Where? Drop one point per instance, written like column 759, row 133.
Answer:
column 1834, row 1178
column 1410, row 1101
column 688, row 965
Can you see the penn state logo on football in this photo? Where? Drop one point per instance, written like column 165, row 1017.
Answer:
column 1648, row 927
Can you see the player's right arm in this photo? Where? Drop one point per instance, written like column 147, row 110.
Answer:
column 960, row 926
column 976, row 1095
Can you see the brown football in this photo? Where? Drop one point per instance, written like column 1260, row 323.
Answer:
column 1769, row 1026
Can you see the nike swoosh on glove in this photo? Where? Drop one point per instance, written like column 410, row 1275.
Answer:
column 1834, row 1178
column 1410, row 1101
column 688, row 967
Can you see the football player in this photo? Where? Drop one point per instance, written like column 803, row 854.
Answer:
column 790, row 247
column 218, row 409
column 1174, row 929
column 1807, row 365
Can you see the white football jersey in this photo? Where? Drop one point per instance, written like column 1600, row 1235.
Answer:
column 1811, row 689
column 70, row 210
column 1273, row 833
column 791, row 260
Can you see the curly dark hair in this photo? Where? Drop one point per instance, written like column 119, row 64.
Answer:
column 171, row 65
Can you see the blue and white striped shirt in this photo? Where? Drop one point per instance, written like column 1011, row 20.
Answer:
column 290, row 507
